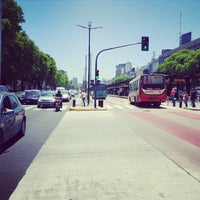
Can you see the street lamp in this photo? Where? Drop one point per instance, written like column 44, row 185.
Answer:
column 89, row 61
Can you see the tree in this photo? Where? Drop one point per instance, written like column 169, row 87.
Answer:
column 12, row 16
column 22, row 61
column 119, row 79
column 183, row 62
column 61, row 79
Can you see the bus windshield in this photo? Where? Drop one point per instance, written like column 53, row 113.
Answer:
column 152, row 82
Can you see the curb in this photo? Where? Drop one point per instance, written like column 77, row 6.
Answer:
column 86, row 109
column 194, row 109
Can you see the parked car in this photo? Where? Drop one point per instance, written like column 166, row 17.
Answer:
column 65, row 95
column 31, row 96
column 3, row 88
column 12, row 118
column 20, row 95
column 47, row 99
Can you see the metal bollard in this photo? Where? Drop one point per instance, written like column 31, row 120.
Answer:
column 174, row 103
column 180, row 104
column 100, row 103
column 74, row 103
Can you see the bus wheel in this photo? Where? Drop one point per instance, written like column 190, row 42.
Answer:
column 156, row 105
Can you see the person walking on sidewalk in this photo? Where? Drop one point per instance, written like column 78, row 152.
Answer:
column 83, row 97
column 185, row 98
column 172, row 95
column 193, row 97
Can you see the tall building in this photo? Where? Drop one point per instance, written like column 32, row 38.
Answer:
column 74, row 82
column 123, row 69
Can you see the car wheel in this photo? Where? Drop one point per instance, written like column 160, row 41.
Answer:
column 23, row 128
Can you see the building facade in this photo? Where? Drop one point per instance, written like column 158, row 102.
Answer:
column 123, row 69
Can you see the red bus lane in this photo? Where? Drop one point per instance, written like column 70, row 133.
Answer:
column 187, row 114
column 182, row 131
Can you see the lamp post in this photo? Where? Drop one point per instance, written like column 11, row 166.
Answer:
column 89, row 57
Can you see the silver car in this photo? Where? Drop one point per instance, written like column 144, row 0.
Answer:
column 12, row 118
column 47, row 99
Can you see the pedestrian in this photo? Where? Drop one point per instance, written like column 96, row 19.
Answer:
column 193, row 97
column 172, row 94
column 83, row 97
column 185, row 98
column 180, row 97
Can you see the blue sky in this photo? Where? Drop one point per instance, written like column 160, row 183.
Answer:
column 52, row 25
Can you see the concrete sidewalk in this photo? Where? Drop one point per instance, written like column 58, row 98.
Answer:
column 94, row 156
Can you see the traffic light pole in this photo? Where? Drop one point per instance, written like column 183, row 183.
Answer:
column 108, row 49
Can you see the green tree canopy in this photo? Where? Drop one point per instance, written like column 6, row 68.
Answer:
column 119, row 79
column 183, row 62
column 22, row 60
column 61, row 79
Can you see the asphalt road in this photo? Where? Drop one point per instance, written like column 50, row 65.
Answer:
column 17, row 158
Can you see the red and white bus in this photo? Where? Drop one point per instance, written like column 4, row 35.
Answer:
column 148, row 89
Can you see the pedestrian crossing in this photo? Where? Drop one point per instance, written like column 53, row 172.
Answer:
column 34, row 107
column 119, row 106
column 108, row 106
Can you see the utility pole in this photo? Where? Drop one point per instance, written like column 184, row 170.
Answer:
column 89, row 56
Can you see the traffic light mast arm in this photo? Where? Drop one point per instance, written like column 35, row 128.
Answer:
column 108, row 49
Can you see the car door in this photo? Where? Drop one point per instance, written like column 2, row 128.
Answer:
column 18, row 112
column 7, row 119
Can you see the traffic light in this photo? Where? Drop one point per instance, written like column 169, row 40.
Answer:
column 97, row 74
column 91, row 82
column 145, row 44
column 98, row 82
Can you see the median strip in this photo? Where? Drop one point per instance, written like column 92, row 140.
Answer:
column 87, row 109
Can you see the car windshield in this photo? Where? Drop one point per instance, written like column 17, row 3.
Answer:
column 49, row 94
column 32, row 93
column 65, row 92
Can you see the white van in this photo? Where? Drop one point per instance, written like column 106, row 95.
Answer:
column 60, row 88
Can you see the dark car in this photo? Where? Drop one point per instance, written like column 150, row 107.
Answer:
column 20, row 95
column 12, row 118
column 3, row 88
column 47, row 99
column 31, row 96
